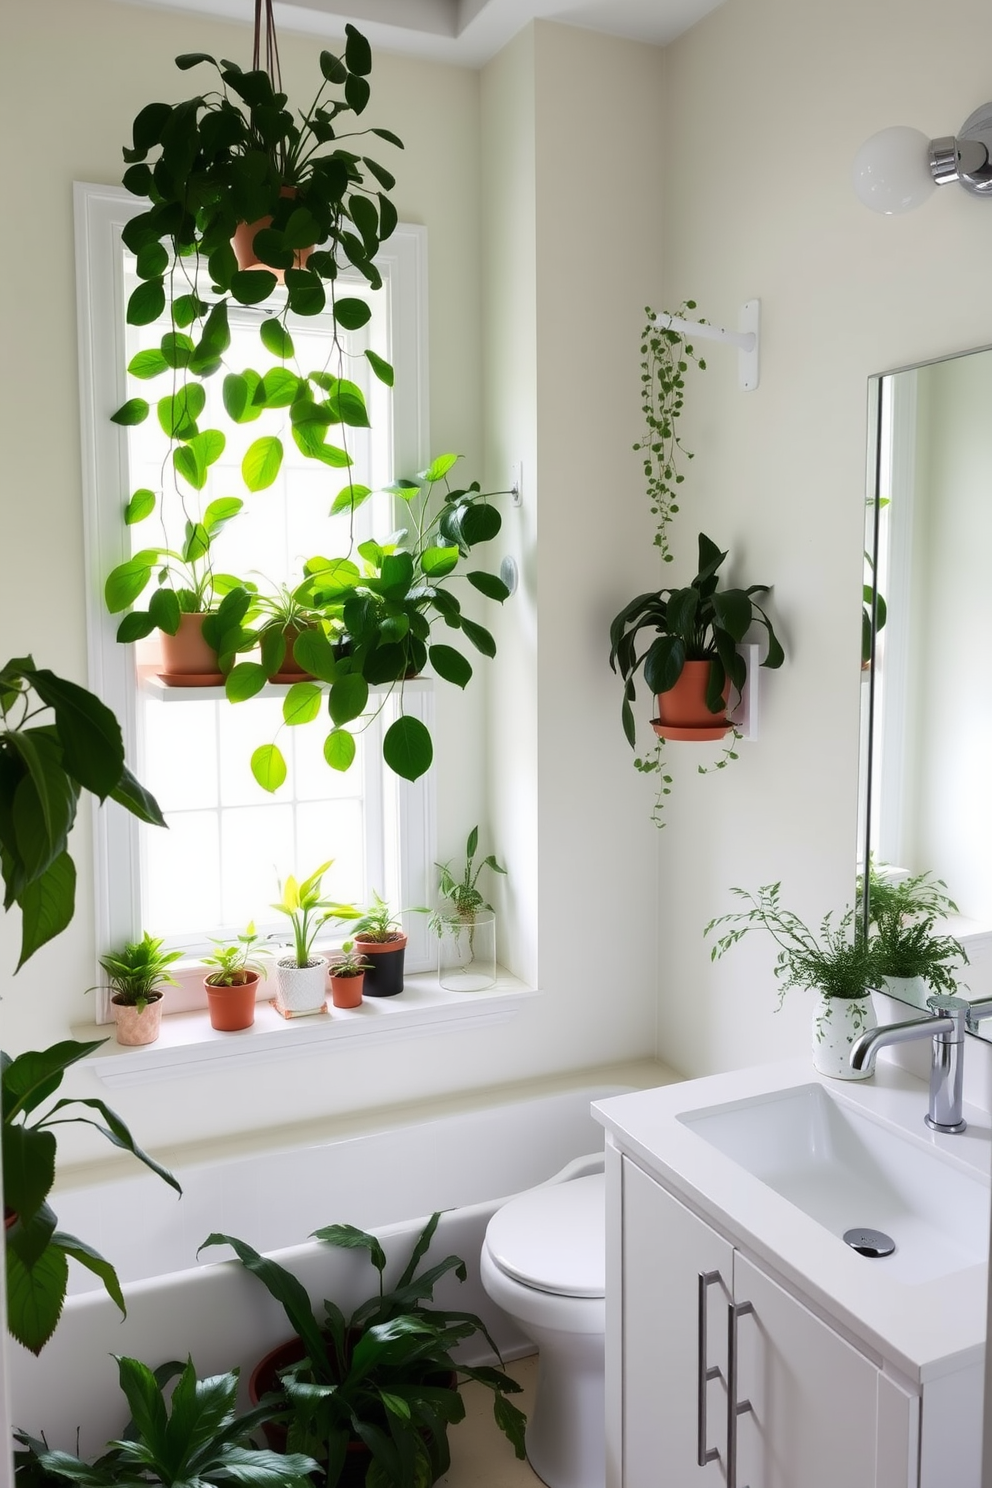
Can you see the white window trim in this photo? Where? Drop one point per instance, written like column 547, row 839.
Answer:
column 100, row 215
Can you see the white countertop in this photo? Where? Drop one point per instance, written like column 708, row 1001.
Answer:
column 923, row 1330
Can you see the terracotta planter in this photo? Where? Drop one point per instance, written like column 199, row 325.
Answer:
column 301, row 990
column 243, row 244
column 291, row 671
column 346, row 991
column 187, row 659
column 682, row 711
column 232, row 1008
column 384, row 978
column 134, row 1027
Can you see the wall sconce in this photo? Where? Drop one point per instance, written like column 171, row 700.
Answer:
column 897, row 169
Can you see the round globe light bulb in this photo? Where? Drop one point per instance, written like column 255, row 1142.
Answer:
column 892, row 172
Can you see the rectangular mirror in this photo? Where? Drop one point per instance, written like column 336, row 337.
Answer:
column 925, row 794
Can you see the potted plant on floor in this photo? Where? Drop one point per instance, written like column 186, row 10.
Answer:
column 38, row 1252
column 137, row 974
column 348, row 971
column 301, row 978
column 376, row 1392
column 837, row 962
column 466, row 924
column 201, row 1440
column 232, row 988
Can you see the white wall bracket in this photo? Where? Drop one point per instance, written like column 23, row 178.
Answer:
column 744, row 716
column 745, row 338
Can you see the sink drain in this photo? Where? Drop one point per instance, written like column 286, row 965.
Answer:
column 873, row 1243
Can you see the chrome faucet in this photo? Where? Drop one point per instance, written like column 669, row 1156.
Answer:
column 949, row 1018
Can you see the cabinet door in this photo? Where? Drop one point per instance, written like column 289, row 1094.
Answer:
column 666, row 1250
column 814, row 1399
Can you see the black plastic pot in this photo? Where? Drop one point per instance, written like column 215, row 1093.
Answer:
column 384, row 976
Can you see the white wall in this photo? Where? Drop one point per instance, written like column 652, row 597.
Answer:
column 768, row 103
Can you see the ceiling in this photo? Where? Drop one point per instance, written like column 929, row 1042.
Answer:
column 464, row 32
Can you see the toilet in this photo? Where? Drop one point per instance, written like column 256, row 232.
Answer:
column 544, row 1262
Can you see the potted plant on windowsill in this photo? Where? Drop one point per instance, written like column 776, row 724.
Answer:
column 201, row 1440
column 301, row 978
column 348, row 971
column 379, row 934
column 836, row 961
column 466, row 924
column 137, row 973
column 38, row 1252
column 232, row 988
column 372, row 1396
column 692, row 664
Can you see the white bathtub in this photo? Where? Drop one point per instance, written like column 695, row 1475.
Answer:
column 466, row 1163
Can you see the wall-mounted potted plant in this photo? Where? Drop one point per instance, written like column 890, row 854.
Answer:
column 137, row 973
column 301, row 978
column 231, row 989
column 692, row 664
column 835, row 961
column 381, row 938
column 37, row 1251
column 348, row 972
column 465, row 924
column 372, row 1396
column 200, row 1440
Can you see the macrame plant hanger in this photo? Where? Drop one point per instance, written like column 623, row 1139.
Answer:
column 265, row 20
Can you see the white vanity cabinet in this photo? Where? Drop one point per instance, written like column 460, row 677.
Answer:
column 690, row 1305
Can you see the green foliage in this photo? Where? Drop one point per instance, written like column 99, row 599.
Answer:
column 349, row 961
column 43, row 768
column 902, row 917
column 37, row 1252
column 665, row 355
column 377, row 921
column 384, row 1376
column 138, row 971
column 201, row 1440
column 233, row 959
column 836, row 959
column 307, row 912
column 463, row 894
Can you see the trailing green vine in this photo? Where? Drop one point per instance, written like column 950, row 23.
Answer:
column 666, row 355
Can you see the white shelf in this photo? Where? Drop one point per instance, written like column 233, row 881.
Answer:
column 188, row 1044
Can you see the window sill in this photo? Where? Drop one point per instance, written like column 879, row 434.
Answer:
column 187, row 1042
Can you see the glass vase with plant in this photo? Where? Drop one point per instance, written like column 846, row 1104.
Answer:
column 466, row 923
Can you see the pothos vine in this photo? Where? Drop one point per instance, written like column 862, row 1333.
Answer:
column 665, row 358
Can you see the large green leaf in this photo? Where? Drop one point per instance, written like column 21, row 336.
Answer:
column 178, row 412
column 314, row 653
column 347, row 404
column 35, row 1075
column 302, row 703
column 479, row 636
column 128, row 579
column 116, row 1132
column 28, row 1168
column 147, row 364
column 348, row 698
column 131, row 794
column 283, row 1286
column 134, row 411
column 47, row 906
column 252, row 286
column 350, row 498
column 276, row 339
column 381, row 368
column 438, row 468
column 92, row 747
column 451, row 665
column 407, row 748
column 436, row 562
column 146, row 303
column 44, row 804
column 352, row 313
column 85, row 1255
column 262, row 462
column 280, row 387
column 140, row 506
column 35, row 1296
column 339, row 749
column 268, row 767
column 244, row 681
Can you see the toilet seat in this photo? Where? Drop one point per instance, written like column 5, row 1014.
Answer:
column 553, row 1239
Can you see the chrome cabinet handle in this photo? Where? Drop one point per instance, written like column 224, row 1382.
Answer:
column 735, row 1407
column 706, row 1372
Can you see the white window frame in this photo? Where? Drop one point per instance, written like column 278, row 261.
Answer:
column 100, row 215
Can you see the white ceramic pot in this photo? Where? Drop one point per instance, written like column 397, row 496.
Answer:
column 837, row 1022
column 301, row 989
column 913, row 990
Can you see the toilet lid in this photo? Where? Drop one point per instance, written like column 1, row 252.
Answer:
column 554, row 1238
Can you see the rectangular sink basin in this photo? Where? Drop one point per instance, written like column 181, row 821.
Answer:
column 848, row 1171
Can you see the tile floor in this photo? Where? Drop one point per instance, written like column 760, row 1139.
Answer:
column 481, row 1456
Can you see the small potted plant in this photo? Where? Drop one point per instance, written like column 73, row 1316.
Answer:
column 372, row 1396
column 301, row 978
column 466, row 924
column 37, row 1251
column 137, row 973
column 278, row 622
column 201, row 1440
column 902, row 918
column 380, row 935
column 837, row 962
column 348, row 970
column 232, row 988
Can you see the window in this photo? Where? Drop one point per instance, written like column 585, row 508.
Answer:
column 229, row 840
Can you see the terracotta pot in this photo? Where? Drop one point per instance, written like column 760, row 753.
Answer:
column 346, row 991
column 134, row 1027
column 187, row 658
column 232, row 1008
column 683, row 707
column 291, row 671
column 384, row 978
column 243, row 244
column 301, row 989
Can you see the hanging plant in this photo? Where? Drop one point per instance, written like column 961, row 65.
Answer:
column 666, row 355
